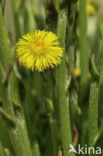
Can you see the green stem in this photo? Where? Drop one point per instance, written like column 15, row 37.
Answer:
column 54, row 136
column 18, row 134
column 63, row 106
column 21, row 138
column 29, row 19
column 1, row 150
column 4, row 43
column 93, row 113
column 101, row 100
column 17, row 20
column 35, row 149
column 83, row 48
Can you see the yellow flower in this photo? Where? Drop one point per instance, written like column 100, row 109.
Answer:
column 90, row 8
column 39, row 50
column 77, row 72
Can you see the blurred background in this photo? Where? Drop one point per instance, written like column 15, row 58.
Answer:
column 37, row 90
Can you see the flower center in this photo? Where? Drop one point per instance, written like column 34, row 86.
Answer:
column 38, row 47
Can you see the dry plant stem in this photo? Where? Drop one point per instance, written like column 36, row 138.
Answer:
column 83, row 48
column 18, row 134
column 63, row 106
column 93, row 113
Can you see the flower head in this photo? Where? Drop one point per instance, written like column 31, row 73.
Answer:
column 90, row 8
column 77, row 72
column 39, row 50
